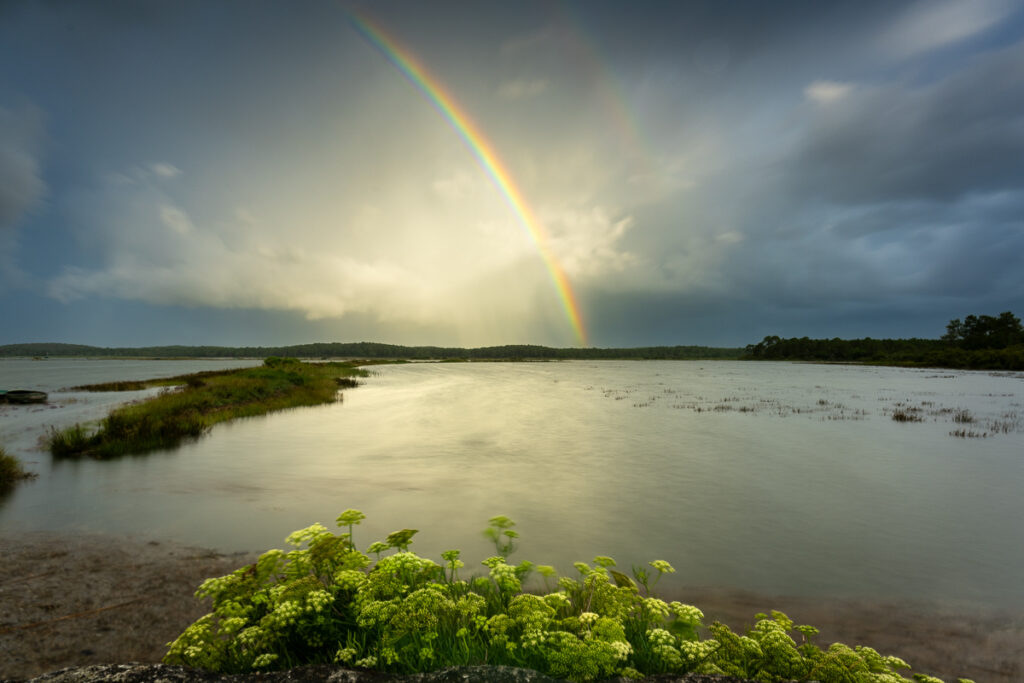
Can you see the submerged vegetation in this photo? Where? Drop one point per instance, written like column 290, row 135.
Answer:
column 11, row 471
column 191, row 404
column 329, row 602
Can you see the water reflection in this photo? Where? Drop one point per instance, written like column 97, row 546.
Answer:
column 813, row 490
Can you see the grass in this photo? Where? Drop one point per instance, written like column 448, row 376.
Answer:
column 11, row 471
column 909, row 414
column 192, row 404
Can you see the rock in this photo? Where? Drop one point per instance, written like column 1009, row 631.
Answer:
column 164, row 673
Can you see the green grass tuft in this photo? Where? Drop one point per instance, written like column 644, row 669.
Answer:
column 11, row 471
column 192, row 404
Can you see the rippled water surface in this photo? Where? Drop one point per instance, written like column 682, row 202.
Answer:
column 772, row 477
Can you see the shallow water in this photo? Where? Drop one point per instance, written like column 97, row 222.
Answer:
column 771, row 477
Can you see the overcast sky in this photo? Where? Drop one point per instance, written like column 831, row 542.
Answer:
column 246, row 173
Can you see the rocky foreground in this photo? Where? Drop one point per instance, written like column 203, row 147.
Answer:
column 162, row 673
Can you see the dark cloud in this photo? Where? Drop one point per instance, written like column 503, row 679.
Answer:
column 963, row 134
column 708, row 172
column 21, row 182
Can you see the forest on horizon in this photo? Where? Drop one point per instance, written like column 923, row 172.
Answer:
column 976, row 342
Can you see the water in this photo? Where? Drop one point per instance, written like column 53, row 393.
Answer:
column 22, row 426
column 771, row 477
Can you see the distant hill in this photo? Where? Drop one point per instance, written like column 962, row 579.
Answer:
column 374, row 350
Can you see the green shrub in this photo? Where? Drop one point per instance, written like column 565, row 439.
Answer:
column 325, row 601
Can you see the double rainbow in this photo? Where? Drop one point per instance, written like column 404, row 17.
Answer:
column 482, row 149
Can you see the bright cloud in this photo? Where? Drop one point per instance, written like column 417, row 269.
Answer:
column 827, row 92
column 165, row 170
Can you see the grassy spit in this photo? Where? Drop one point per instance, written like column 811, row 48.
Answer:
column 192, row 404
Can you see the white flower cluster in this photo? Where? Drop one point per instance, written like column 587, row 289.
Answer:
column 505, row 576
column 622, row 650
column 349, row 579
column 659, row 636
column 232, row 625
column 557, row 601
column 694, row 652
column 345, row 655
column 215, row 586
column 404, row 563
column 317, row 600
column 662, row 566
column 687, row 613
column 588, row 619
column 297, row 538
column 533, row 638
column 375, row 612
column 250, row 636
column 471, row 604
column 285, row 614
column 655, row 608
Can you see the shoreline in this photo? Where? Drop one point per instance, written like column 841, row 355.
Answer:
column 105, row 599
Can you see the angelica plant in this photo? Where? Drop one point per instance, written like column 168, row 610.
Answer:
column 324, row 601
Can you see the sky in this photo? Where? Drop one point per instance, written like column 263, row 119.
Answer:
column 482, row 173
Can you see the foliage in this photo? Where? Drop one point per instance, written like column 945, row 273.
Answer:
column 979, row 342
column 200, row 401
column 325, row 601
column 11, row 471
column 985, row 332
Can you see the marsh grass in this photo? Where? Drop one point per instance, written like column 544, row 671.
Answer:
column 906, row 413
column 192, row 404
column 963, row 416
column 11, row 471
column 968, row 434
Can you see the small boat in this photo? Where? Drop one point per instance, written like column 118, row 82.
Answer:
column 23, row 396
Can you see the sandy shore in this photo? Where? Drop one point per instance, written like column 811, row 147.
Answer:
column 74, row 600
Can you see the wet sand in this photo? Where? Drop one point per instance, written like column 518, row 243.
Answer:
column 68, row 600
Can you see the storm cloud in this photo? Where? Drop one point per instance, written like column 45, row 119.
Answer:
column 699, row 172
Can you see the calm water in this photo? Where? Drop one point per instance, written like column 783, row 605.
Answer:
column 772, row 477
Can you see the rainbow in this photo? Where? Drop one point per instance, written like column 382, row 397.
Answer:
column 482, row 149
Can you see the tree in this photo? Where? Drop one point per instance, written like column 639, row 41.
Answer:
column 985, row 331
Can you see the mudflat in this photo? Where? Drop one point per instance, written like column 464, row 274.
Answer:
column 70, row 600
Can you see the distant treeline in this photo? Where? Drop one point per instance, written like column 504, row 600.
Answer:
column 375, row 350
column 976, row 342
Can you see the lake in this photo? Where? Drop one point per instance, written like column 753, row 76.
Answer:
column 779, row 478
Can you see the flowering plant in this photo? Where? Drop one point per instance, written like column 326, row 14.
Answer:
column 325, row 601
